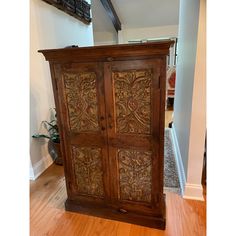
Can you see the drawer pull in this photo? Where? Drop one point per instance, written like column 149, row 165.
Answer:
column 122, row 210
column 110, row 59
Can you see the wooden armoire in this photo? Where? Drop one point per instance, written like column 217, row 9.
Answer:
column 110, row 102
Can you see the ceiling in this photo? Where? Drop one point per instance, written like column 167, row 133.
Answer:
column 137, row 13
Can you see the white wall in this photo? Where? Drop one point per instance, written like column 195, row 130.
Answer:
column 190, row 105
column 168, row 31
column 105, row 37
column 49, row 28
column 198, row 118
column 127, row 34
column 103, row 29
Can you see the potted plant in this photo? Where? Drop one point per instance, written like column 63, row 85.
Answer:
column 54, row 138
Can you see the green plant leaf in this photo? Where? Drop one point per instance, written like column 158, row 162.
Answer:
column 52, row 129
column 49, row 124
column 55, row 139
column 40, row 136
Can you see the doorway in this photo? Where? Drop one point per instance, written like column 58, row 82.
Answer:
column 170, row 84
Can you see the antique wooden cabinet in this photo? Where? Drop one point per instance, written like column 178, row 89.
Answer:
column 110, row 102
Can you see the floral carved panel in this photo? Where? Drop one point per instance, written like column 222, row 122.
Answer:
column 132, row 94
column 81, row 95
column 88, row 170
column 135, row 175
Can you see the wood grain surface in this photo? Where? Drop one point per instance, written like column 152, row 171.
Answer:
column 48, row 216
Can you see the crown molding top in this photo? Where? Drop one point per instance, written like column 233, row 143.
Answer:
column 115, row 52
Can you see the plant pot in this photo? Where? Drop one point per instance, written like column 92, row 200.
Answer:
column 54, row 150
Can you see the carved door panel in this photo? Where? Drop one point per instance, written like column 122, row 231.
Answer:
column 132, row 91
column 82, row 105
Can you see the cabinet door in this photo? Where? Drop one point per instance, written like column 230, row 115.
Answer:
column 82, row 110
column 133, row 105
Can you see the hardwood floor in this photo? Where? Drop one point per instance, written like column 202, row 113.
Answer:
column 48, row 217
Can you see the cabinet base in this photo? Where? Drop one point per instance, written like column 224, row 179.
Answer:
column 109, row 213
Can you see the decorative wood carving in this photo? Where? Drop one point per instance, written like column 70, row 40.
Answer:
column 135, row 173
column 132, row 101
column 88, row 170
column 79, row 9
column 82, row 105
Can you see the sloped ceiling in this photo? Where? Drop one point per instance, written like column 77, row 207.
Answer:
column 137, row 13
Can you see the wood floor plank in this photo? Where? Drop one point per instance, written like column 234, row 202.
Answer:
column 48, row 217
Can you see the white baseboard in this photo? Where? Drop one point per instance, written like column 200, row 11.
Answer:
column 193, row 191
column 38, row 168
column 178, row 160
column 188, row 191
column 31, row 174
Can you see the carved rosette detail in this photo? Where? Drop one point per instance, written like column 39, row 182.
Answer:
column 135, row 175
column 132, row 94
column 81, row 95
column 88, row 170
